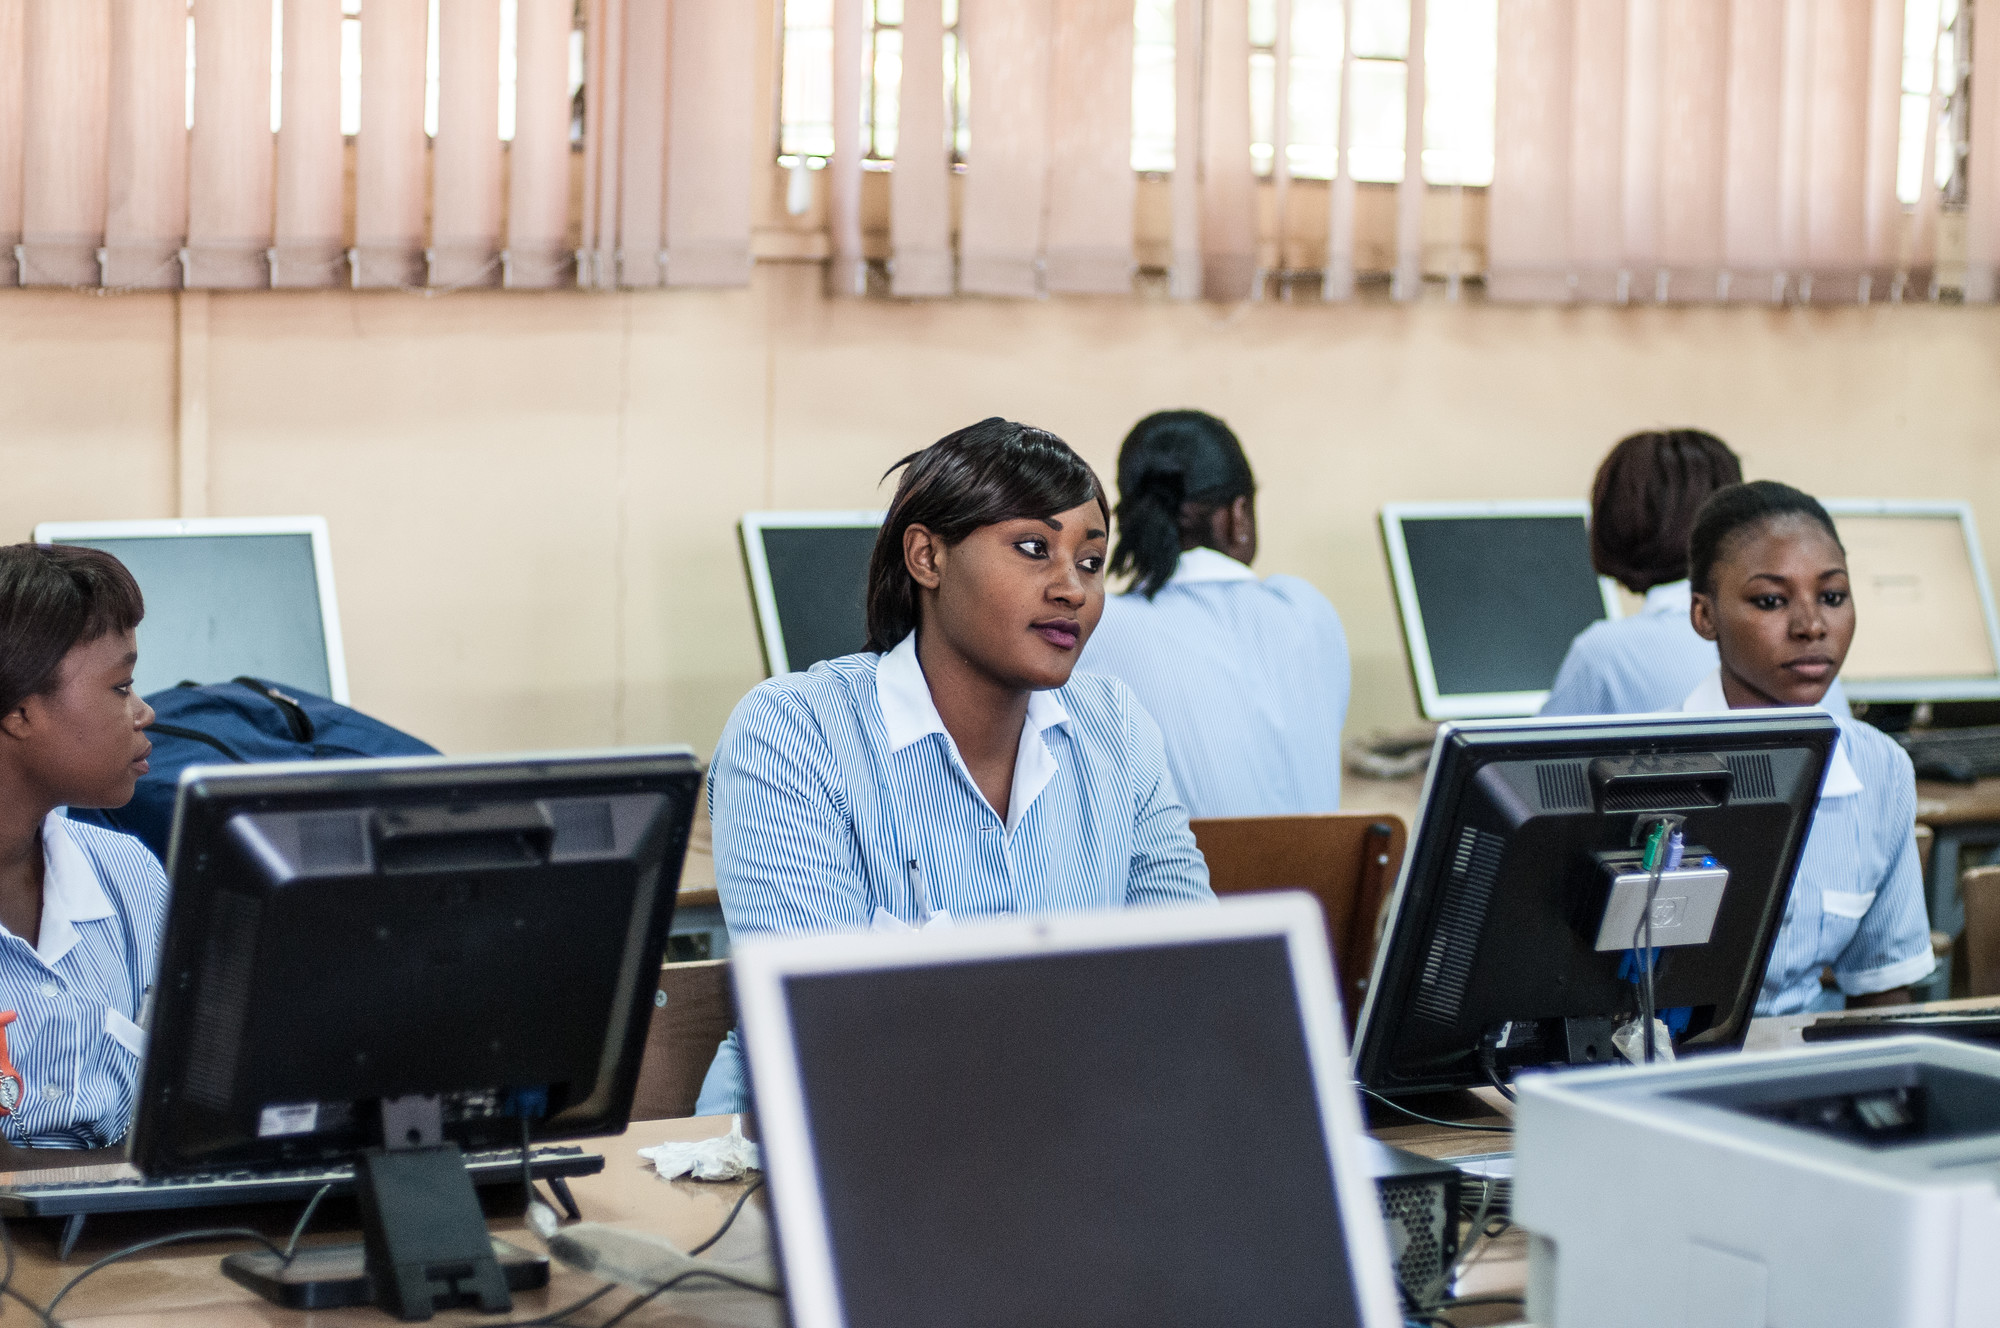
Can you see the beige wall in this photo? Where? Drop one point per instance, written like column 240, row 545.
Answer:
column 532, row 497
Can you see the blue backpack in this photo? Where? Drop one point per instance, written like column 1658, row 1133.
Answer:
column 247, row 721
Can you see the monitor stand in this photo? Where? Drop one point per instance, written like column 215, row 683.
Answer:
column 424, row 1243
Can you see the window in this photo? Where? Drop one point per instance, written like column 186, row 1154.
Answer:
column 1934, row 32
column 805, row 131
column 350, row 70
column 1153, row 85
column 1459, row 50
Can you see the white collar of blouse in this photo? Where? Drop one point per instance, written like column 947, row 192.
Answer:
column 1841, row 780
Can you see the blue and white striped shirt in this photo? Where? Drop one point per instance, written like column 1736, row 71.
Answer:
column 1857, row 902
column 80, row 991
column 1247, row 679
column 1644, row 663
column 837, row 794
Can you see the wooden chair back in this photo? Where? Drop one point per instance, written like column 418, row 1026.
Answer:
column 1979, row 949
column 1347, row 861
column 692, row 1012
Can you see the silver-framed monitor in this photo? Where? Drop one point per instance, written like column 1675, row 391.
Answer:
column 1491, row 595
column 227, row 597
column 1029, row 1121
column 1926, row 628
column 808, row 576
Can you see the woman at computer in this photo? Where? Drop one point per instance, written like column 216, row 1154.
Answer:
column 1642, row 506
column 80, row 906
column 1247, row 676
column 957, row 766
column 1770, row 589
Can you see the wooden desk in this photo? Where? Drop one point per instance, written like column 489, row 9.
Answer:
column 183, row 1286
column 1960, row 816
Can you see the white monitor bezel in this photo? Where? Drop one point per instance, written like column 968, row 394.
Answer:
column 63, row 532
column 1927, row 689
column 1469, row 705
column 762, row 967
column 750, row 533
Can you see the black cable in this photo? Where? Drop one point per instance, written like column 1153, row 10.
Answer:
column 1462, row 1302
column 1432, row 1120
column 527, row 1167
column 554, row 1317
column 206, row 1233
column 1667, row 827
column 674, row 1281
column 729, row 1221
column 7, row 1243
column 292, row 1245
column 7, row 1280
column 1493, row 1077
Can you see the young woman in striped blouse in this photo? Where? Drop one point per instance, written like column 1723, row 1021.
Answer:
column 80, row 906
column 1771, row 590
column 955, row 767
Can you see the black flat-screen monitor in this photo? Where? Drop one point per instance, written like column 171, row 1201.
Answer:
column 1510, row 940
column 808, row 576
column 384, row 962
column 341, row 932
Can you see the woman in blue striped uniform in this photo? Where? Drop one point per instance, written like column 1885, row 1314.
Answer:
column 1642, row 506
column 1247, row 676
column 955, row 767
column 1771, row 591
column 80, row 906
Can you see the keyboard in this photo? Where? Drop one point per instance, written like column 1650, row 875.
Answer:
column 117, row 1187
column 1974, row 1024
column 1957, row 755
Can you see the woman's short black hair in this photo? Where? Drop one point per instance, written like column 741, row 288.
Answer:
column 53, row 598
column 1174, row 469
column 995, row 470
column 1643, row 503
column 1739, row 509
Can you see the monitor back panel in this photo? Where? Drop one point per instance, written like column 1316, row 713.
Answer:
column 225, row 606
column 812, row 604
column 1491, row 599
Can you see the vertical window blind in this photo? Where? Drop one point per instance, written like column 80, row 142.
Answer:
column 1562, row 150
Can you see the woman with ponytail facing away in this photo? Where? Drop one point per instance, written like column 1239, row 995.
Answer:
column 1247, row 677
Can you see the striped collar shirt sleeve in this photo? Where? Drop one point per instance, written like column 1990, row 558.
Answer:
column 78, row 992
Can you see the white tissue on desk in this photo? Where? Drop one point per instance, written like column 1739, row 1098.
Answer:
column 725, row 1157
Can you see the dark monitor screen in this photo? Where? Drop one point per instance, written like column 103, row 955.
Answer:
column 1503, row 942
column 819, row 584
column 226, row 606
column 1501, row 597
column 488, row 932
column 1123, row 1137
